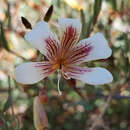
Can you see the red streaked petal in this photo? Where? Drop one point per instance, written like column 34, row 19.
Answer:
column 52, row 48
column 93, row 76
column 71, row 29
column 46, row 67
column 32, row 72
column 78, row 53
column 69, row 37
column 100, row 48
column 76, row 70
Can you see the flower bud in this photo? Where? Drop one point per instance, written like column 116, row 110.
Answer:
column 39, row 117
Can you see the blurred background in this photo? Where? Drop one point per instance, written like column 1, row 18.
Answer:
column 110, row 103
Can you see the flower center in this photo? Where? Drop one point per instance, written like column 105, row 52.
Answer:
column 59, row 63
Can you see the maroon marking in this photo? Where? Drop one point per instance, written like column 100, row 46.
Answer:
column 77, row 70
column 46, row 68
column 52, row 47
column 79, row 53
column 69, row 37
column 49, row 46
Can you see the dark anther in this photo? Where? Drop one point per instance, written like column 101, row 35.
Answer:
column 26, row 23
column 48, row 13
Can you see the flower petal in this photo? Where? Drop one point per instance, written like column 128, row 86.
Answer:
column 78, row 54
column 52, row 48
column 38, row 35
column 71, row 29
column 93, row 76
column 32, row 72
column 99, row 48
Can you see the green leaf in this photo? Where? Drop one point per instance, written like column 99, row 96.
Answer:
column 114, row 5
column 82, row 16
column 9, row 17
column 97, row 6
column 93, row 19
column 2, row 38
column 9, row 100
column 89, row 26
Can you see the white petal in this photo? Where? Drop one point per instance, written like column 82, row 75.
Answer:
column 66, row 22
column 99, row 45
column 37, row 36
column 71, row 29
column 32, row 72
column 93, row 76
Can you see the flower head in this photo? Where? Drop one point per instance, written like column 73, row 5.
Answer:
column 65, row 55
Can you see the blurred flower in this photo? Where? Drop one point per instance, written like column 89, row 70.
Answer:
column 120, row 26
column 40, row 118
column 65, row 55
column 75, row 4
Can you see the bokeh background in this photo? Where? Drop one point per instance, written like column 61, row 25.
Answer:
column 108, row 106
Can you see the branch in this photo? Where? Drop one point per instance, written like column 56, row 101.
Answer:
column 116, row 96
column 96, row 122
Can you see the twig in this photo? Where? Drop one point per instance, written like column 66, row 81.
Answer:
column 109, row 99
column 116, row 96
column 12, row 108
column 102, row 112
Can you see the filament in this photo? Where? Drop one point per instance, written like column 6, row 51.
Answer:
column 66, row 76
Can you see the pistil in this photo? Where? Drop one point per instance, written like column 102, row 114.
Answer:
column 58, row 82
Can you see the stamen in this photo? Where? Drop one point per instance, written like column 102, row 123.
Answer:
column 66, row 76
column 58, row 83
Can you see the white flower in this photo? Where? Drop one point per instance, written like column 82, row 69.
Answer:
column 65, row 55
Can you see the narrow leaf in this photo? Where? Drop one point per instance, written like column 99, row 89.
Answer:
column 9, row 17
column 82, row 16
column 97, row 6
column 114, row 4
column 93, row 19
column 2, row 38
column 89, row 26
column 9, row 100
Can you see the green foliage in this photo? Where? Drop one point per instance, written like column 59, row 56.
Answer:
column 9, row 100
column 2, row 38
